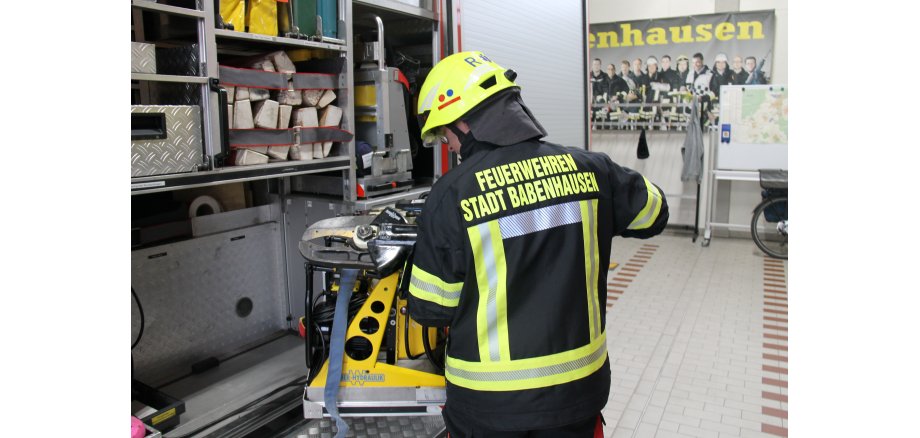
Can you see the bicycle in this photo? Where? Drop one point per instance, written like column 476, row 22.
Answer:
column 770, row 223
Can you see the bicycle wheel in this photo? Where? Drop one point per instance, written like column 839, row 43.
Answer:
column 772, row 237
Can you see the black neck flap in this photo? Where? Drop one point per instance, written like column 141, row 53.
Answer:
column 504, row 120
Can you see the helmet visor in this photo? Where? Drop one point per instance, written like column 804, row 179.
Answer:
column 433, row 136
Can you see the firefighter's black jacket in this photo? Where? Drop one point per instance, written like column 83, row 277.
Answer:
column 512, row 255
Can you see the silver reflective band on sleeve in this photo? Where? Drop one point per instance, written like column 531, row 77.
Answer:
column 429, row 287
column 434, row 289
column 649, row 213
column 540, row 219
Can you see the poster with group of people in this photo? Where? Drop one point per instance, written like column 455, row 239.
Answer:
column 654, row 68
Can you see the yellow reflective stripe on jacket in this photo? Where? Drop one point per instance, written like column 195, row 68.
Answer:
column 649, row 213
column 429, row 287
column 530, row 373
column 589, row 235
column 491, row 277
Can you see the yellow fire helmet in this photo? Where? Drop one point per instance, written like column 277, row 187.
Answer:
column 456, row 85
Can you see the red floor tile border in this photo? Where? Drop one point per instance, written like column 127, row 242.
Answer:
column 775, row 396
column 774, row 430
column 773, row 412
column 626, row 273
column 773, row 369
column 774, row 382
column 776, row 302
column 776, row 347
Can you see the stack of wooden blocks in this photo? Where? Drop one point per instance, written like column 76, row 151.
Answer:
column 254, row 108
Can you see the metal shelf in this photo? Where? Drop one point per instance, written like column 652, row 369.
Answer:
column 161, row 183
column 174, row 10
column 737, row 175
column 402, row 8
column 368, row 204
column 212, row 395
column 168, row 78
column 266, row 39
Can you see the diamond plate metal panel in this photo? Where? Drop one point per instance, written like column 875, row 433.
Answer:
column 169, row 93
column 180, row 151
column 190, row 291
column 389, row 427
column 182, row 61
column 143, row 58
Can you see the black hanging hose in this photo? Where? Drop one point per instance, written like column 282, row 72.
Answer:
column 321, row 314
column 426, row 342
column 140, row 308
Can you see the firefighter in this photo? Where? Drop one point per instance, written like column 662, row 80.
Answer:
column 512, row 255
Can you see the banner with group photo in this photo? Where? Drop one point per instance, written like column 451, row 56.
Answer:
column 743, row 40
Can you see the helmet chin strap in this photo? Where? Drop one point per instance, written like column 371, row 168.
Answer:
column 460, row 134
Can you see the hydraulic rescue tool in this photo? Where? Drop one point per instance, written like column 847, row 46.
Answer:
column 384, row 363
column 383, row 110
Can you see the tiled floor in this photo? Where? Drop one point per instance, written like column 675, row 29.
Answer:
column 697, row 339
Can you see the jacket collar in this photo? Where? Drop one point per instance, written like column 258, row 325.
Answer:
column 470, row 146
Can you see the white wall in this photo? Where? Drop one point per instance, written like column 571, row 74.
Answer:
column 544, row 43
column 606, row 11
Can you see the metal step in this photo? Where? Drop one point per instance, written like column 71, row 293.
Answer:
column 383, row 427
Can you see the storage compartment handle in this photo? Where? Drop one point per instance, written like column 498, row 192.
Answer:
column 148, row 126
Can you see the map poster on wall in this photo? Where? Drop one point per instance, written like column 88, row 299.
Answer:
column 753, row 127
column 756, row 115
